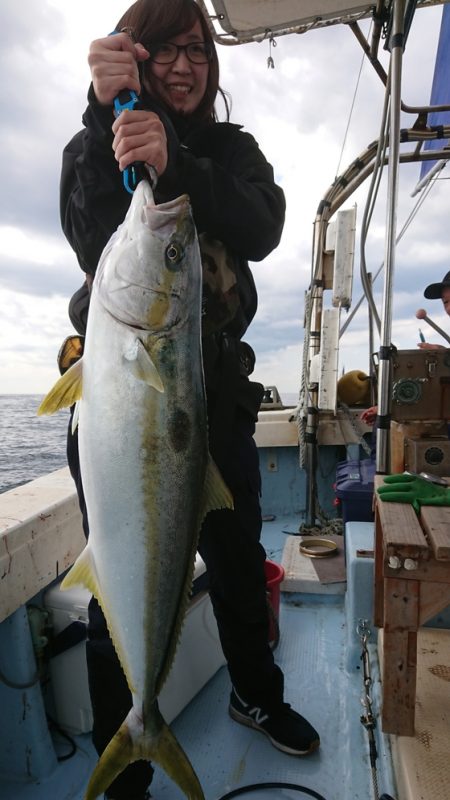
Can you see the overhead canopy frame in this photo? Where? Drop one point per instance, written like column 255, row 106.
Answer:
column 241, row 21
column 235, row 22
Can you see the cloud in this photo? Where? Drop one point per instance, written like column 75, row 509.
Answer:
column 31, row 335
column 298, row 113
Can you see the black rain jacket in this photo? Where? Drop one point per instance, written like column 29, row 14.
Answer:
column 230, row 184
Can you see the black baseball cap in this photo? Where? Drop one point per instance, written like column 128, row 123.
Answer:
column 434, row 290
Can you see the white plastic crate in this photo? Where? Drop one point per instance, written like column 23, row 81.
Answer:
column 198, row 657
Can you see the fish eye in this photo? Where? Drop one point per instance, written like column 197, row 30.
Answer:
column 174, row 254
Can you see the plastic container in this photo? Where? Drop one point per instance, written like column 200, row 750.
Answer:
column 354, row 488
column 274, row 577
column 198, row 657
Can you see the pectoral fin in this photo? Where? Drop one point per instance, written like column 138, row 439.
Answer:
column 140, row 363
column 66, row 391
column 216, row 493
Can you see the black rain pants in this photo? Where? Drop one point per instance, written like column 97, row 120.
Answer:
column 230, row 547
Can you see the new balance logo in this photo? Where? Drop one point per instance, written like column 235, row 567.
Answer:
column 255, row 713
column 258, row 715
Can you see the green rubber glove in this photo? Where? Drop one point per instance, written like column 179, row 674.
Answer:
column 405, row 488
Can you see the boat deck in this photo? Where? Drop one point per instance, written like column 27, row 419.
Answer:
column 320, row 654
column 323, row 681
column 422, row 764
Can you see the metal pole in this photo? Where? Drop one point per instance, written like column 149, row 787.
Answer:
column 384, row 373
column 311, row 393
column 371, row 344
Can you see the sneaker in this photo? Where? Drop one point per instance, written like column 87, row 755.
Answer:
column 287, row 730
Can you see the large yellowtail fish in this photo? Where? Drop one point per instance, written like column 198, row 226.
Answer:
column 147, row 475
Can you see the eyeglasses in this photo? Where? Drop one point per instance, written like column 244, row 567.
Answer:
column 167, row 52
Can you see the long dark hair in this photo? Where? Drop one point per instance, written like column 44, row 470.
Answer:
column 160, row 20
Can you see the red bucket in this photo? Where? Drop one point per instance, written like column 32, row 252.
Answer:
column 274, row 577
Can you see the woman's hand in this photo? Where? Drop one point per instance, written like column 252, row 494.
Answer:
column 140, row 136
column 113, row 62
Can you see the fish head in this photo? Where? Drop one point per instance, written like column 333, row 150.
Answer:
column 149, row 274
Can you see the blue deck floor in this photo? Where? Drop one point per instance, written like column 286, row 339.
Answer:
column 323, row 681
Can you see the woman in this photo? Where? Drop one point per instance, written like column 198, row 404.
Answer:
column 168, row 57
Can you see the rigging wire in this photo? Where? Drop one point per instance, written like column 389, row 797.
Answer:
column 421, row 199
column 370, row 205
column 344, row 142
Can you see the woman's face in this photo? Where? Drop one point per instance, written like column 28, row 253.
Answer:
column 181, row 84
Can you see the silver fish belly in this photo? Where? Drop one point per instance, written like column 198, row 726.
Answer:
column 147, row 475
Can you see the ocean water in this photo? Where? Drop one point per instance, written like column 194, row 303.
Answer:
column 30, row 446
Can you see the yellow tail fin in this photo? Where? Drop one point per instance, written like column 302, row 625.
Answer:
column 156, row 743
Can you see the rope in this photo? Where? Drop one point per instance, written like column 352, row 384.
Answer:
column 332, row 527
column 302, row 403
column 361, row 441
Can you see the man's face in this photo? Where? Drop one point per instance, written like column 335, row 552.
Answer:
column 446, row 299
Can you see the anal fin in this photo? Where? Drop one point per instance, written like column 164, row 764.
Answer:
column 83, row 573
column 216, row 493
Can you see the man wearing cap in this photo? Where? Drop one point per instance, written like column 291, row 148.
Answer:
column 436, row 291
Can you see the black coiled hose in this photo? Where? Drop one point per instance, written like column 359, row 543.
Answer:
column 253, row 787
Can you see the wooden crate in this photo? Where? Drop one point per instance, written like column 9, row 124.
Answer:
column 412, row 584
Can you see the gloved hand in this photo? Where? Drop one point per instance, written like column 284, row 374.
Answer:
column 406, row 488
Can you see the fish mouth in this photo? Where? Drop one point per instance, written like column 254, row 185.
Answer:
column 161, row 216
column 182, row 200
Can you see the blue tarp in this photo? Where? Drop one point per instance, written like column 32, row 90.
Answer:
column 440, row 90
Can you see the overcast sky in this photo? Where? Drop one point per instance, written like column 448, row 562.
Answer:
column 298, row 113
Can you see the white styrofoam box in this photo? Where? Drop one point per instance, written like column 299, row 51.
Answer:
column 330, row 238
column 276, row 428
column 198, row 657
column 329, row 359
column 344, row 257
